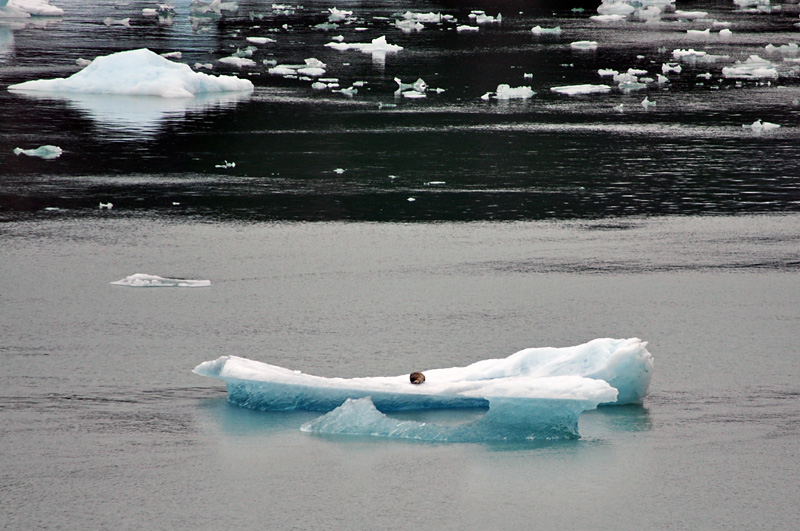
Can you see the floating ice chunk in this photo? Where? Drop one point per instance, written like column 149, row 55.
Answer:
column 26, row 8
column 789, row 49
column 608, row 18
column 466, row 28
column 125, row 22
column 235, row 60
column 338, row 38
column 46, row 152
column 759, row 127
column 614, row 371
column 705, row 76
column 580, row 90
column 172, row 55
column 142, row 280
column 506, row 92
column 615, row 8
column 411, row 199
column 662, row 80
column 482, row 18
column 225, row 165
column 107, row 206
column 538, row 30
column 319, row 86
column 83, row 63
column 725, row 33
column 666, row 68
column 690, row 54
column 337, row 15
column 419, row 85
column 349, row 91
column 407, row 26
column 583, row 45
column 646, row 103
column 507, row 419
column 260, row 40
column 620, row 107
column 435, row 183
column 377, row 45
column 138, row 73
column 207, row 66
column 605, row 72
column 699, row 33
column 413, row 94
column 690, row 15
column 754, row 67
column 637, row 72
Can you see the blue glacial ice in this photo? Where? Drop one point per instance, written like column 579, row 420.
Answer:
column 536, row 393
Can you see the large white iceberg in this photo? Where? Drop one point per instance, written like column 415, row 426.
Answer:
column 532, row 394
column 137, row 73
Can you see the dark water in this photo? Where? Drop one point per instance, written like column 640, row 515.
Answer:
column 550, row 157
column 559, row 220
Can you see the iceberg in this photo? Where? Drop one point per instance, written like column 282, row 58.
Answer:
column 534, row 393
column 137, row 73
column 142, row 280
column 27, row 8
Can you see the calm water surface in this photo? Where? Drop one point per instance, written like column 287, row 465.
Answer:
column 555, row 221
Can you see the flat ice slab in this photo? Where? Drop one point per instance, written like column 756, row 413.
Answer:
column 143, row 280
column 138, row 73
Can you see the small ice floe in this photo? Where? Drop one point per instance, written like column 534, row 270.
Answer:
column 789, row 49
column 754, row 67
column 338, row 38
column 417, row 86
column 143, row 280
column 207, row 66
column 538, row 30
column 620, row 108
column 705, row 76
column 225, row 165
column 583, row 45
column 338, row 15
column 647, row 104
column 608, row 18
column 235, row 60
column 125, row 22
column 339, row 171
column 409, row 26
column 81, row 62
column 615, row 7
column 507, row 92
column 580, row 90
column 260, row 40
column 378, row 44
column 43, row 152
column 411, row 199
column 480, row 17
column 106, row 206
column 666, row 68
column 690, row 15
column 412, row 94
column 725, row 33
column 606, row 72
column 701, row 34
column 172, row 55
column 466, row 28
column 435, row 183
column 349, row 91
column 759, row 127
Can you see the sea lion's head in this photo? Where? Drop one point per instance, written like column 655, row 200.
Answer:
column 417, row 377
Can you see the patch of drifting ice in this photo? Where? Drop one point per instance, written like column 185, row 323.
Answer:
column 538, row 30
column 576, row 90
column 377, row 45
column 583, row 45
column 43, row 152
column 142, row 280
column 26, row 8
column 759, row 127
column 138, row 73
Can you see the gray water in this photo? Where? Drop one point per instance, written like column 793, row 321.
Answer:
column 559, row 221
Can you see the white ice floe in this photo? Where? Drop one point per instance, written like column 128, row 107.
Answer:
column 43, row 152
column 579, row 90
column 789, row 49
column 28, row 8
column 702, row 34
column 647, row 104
column 466, row 28
column 260, row 40
column 607, row 72
column 538, row 30
column 615, row 7
column 142, row 280
column 378, row 44
column 537, row 393
column 666, row 68
column 690, row 15
column 418, row 86
column 106, row 206
column 138, row 73
column 608, row 18
column 583, row 45
column 754, row 67
column 124, row 22
column 507, row 92
column 759, row 127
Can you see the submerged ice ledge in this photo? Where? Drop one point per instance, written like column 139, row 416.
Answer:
column 537, row 393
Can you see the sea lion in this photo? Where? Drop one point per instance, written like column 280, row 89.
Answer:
column 417, row 377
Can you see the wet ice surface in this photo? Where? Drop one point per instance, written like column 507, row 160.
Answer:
column 551, row 155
